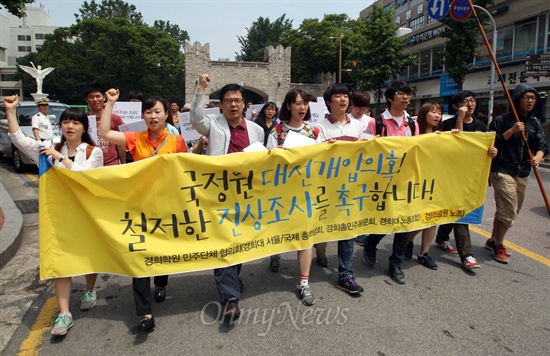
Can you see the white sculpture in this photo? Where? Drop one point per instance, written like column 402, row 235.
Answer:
column 38, row 74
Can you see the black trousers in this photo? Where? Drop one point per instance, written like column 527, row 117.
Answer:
column 399, row 244
column 142, row 293
column 227, row 281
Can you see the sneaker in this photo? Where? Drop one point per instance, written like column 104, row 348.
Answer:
column 349, row 285
column 396, row 274
column 62, row 324
column 427, row 261
column 307, row 296
column 369, row 254
column 409, row 249
column 446, row 246
column 360, row 239
column 469, row 262
column 322, row 259
column 489, row 244
column 499, row 252
column 274, row 264
column 88, row 300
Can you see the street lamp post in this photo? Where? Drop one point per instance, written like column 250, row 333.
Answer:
column 492, row 77
column 339, row 57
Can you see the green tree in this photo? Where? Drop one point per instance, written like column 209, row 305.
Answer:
column 15, row 7
column 173, row 30
column 261, row 34
column 109, row 9
column 379, row 55
column 462, row 44
column 112, row 52
column 313, row 50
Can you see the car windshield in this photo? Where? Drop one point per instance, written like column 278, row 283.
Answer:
column 27, row 112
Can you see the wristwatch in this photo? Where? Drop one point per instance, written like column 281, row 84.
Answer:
column 62, row 158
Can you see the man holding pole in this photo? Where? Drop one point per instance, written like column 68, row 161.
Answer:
column 511, row 167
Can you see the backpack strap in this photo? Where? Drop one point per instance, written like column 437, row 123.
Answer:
column 380, row 128
column 89, row 150
column 161, row 144
column 410, row 122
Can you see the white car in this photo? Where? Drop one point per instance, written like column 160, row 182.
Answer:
column 24, row 113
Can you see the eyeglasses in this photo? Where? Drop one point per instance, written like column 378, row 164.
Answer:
column 233, row 100
column 466, row 101
column 400, row 93
column 529, row 97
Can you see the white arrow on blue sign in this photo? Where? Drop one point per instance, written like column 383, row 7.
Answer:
column 438, row 9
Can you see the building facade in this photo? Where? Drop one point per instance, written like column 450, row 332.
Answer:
column 522, row 29
column 18, row 37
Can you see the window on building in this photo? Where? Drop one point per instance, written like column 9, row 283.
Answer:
column 21, row 38
column 417, row 23
column 388, row 7
column 22, row 48
column 542, row 34
column 28, row 37
column 526, row 37
column 505, row 38
column 38, row 47
column 413, row 68
column 39, row 36
column 483, row 57
column 425, row 64
column 431, row 20
column 400, row 3
column 438, row 60
column 9, row 92
column 7, row 77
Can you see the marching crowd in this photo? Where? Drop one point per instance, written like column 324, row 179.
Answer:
column 230, row 132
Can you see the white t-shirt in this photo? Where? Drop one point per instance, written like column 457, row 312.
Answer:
column 44, row 126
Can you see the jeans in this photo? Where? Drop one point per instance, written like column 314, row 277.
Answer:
column 345, row 258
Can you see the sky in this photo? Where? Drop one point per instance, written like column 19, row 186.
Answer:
column 217, row 22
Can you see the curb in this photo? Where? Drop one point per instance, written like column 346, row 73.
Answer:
column 10, row 233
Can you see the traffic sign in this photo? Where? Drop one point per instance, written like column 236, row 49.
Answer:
column 438, row 9
column 537, row 65
column 460, row 9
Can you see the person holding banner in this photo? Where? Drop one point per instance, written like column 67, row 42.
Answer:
column 339, row 126
column 511, row 167
column 294, row 111
column 227, row 133
column 76, row 152
column 156, row 140
column 393, row 122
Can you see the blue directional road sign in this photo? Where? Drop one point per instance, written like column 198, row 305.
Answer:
column 438, row 9
column 460, row 9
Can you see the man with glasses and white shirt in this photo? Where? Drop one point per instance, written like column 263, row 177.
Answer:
column 393, row 122
column 227, row 133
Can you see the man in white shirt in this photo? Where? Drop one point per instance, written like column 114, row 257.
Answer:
column 41, row 125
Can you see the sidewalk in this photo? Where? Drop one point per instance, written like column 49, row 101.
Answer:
column 11, row 222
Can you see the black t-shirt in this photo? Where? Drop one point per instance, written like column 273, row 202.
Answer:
column 474, row 126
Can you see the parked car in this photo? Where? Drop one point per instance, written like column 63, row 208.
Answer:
column 24, row 113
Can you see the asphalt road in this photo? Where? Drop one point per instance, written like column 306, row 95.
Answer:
column 496, row 310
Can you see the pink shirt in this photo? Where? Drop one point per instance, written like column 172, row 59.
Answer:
column 392, row 127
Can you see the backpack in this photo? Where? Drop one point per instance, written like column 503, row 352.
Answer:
column 380, row 128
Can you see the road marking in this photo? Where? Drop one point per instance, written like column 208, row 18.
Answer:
column 30, row 346
column 512, row 246
column 32, row 177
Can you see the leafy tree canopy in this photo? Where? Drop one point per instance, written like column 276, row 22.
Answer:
column 109, row 9
column 15, row 7
column 261, row 34
column 173, row 30
column 113, row 52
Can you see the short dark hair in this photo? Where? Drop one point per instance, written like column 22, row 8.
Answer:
column 336, row 88
column 152, row 100
column 393, row 88
column 75, row 114
column 93, row 88
column 360, row 99
column 284, row 112
column 135, row 94
column 231, row 87
column 461, row 95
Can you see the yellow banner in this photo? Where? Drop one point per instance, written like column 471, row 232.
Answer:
column 183, row 212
